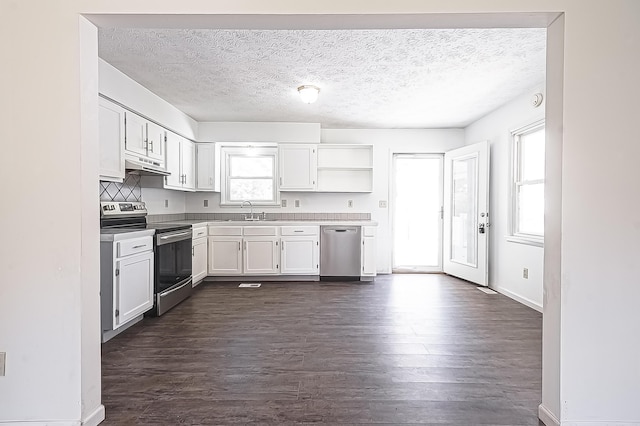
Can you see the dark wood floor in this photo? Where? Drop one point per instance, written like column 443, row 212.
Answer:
column 415, row 349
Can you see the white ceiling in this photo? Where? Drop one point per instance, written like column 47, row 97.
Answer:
column 368, row 78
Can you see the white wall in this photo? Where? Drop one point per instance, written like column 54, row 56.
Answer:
column 40, row 327
column 550, row 406
column 507, row 259
column 121, row 88
column 90, row 342
column 48, row 257
column 258, row 132
column 163, row 201
column 385, row 143
column 600, row 319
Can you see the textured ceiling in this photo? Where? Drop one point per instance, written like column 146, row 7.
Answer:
column 368, row 78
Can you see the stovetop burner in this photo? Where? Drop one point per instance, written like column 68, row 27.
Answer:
column 132, row 216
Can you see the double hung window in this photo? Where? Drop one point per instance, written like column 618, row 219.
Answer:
column 527, row 218
column 249, row 174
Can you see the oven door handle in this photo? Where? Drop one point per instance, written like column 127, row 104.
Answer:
column 176, row 289
column 173, row 238
column 175, row 235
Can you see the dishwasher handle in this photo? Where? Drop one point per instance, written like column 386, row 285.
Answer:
column 340, row 229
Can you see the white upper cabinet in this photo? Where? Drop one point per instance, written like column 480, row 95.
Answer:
column 180, row 160
column 155, row 141
column 298, row 167
column 207, row 177
column 144, row 138
column 189, row 164
column 136, row 134
column 111, row 140
column 345, row 168
column 173, row 161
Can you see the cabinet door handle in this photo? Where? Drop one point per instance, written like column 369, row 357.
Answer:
column 193, row 252
column 210, row 181
column 238, row 245
column 280, row 180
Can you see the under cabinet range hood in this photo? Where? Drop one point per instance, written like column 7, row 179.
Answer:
column 144, row 166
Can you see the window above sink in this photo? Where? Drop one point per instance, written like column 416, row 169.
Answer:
column 249, row 173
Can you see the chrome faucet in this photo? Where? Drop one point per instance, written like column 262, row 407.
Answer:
column 251, row 206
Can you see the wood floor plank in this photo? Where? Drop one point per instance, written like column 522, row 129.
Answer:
column 405, row 349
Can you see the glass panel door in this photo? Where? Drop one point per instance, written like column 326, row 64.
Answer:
column 417, row 213
column 466, row 213
column 464, row 241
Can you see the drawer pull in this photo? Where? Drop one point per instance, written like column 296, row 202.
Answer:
column 140, row 246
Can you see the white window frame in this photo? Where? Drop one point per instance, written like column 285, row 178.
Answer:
column 252, row 150
column 514, row 235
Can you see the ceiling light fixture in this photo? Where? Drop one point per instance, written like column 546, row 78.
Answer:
column 308, row 93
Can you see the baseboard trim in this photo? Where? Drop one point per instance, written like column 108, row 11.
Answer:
column 547, row 417
column 517, row 298
column 95, row 418
column 39, row 423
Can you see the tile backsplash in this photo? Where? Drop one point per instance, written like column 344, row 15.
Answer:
column 129, row 190
column 271, row 216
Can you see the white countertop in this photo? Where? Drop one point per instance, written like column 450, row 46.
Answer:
column 124, row 234
column 196, row 223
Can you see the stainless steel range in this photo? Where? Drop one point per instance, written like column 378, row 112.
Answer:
column 171, row 246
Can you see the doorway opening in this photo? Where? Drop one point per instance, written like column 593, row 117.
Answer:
column 417, row 212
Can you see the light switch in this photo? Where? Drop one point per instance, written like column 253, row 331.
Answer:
column 350, row 203
column 296, row 203
column 383, row 204
column 206, row 203
column 284, row 203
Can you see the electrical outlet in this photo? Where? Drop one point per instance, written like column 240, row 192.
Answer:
column 206, row 203
column 166, row 203
column 525, row 273
column 350, row 203
column 284, row 203
column 383, row 204
column 296, row 203
column 3, row 358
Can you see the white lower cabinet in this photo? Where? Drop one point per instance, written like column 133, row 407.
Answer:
column 133, row 287
column 199, row 254
column 300, row 254
column 225, row 255
column 244, row 250
column 261, row 255
column 272, row 250
column 369, row 253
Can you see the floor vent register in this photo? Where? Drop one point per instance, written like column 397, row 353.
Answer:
column 249, row 285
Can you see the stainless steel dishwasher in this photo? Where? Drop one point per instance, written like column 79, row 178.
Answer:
column 340, row 248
